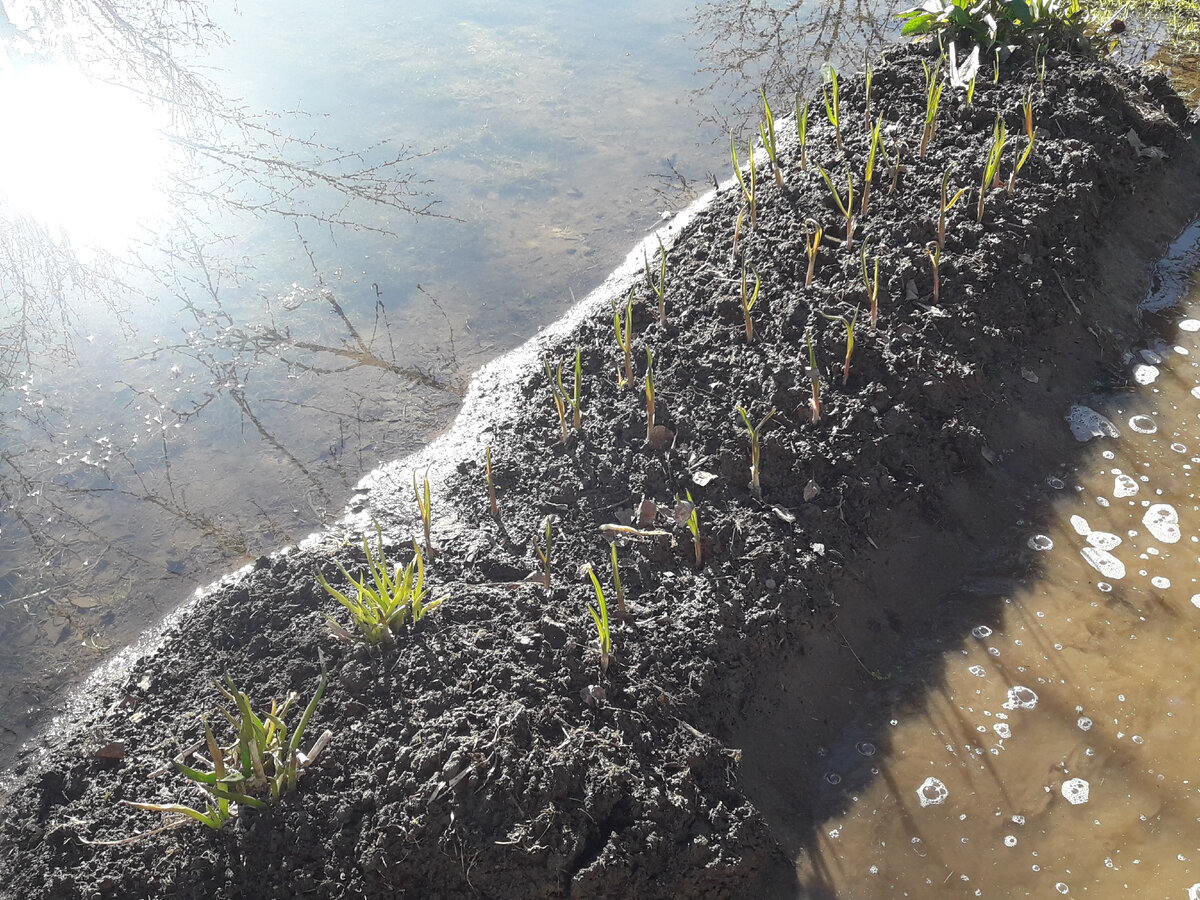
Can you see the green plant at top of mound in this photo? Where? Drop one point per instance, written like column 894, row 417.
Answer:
column 687, row 512
column 849, row 325
column 264, row 762
column 649, row 395
column 624, row 330
column 998, row 23
column 749, row 298
column 802, row 129
column 755, row 447
column 813, row 232
column 872, row 285
column 846, row 206
column 749, row 191
column 767, row 132
column 603, row 631
column 425, row 508
column 559, row 394
column 384, row 601
column 660, row 289
column 832, row 109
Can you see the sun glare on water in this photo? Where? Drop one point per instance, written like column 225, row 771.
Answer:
column 79, row 155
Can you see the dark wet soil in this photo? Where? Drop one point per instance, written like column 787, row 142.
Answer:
column 487, row 753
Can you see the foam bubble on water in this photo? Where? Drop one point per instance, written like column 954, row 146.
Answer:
column 1084, row 723
column 1196, row 600
column 1143, row 374
column 1196, row 392
column 1021, row 697
column 1075, row 791
column 1160, row 582
column 1162, row 521
column 1104, row 562
column 1104, row 587
column 1080, row 524
column 1061, row 888
column 865, row 748
column 1143, row 425
column 1040, row 542
column 981, row 631
column 833, row 778
column 1189, row 324
column 977, row 671
column 932, row 792
column 1002, row 729
column 1194, row 891
column 1010, row 840
column 1179, row 448
column 1103, row 540
column 1124, row 486
column 1085, row 423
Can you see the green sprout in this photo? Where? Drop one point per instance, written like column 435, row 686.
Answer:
column 768, row 139
column 935, row 258
column 487, row 468
column 846, row 207
column 870, row 170
column 576, row 405
column 544, row 555
column 991, row 168
column 814, row 378
column 894, row 164
column 388, row 601
column 660, row 289
column 603, row 632
column 559, row 394
column 831, row 109
column 425, row 508
column 622, row 613
column 933, row 97
column 812, row 234
column 946, row 206
column 693, row 524
column 971, row 89
column 649, row 394
column 755, row 447
column 867, row 104
column 849, row 325
column 750, row 192
column 1027, row 119
column 624, row 330
column 802, row 127
column 872, row 286
column 749, row 298
column 264, row 763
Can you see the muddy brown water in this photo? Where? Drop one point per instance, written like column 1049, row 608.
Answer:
column 1056, row 753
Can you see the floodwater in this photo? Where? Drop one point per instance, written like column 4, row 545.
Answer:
column 1057, row 754
column 250, row 251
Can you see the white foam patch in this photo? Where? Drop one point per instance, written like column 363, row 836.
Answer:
column 1196, row 600
column 1021, row 697
column 1194, row 891
column 932, row 792
column 1081, row 526
column 1196, row 392
column 1124, row 486
column 1162, row 521
column 1040, row 542
column 1075, row 791
column 1143, row 425
column 1161, row 582
column 1143, row 374
column 1002, row 729
column 1104, row 562
column 1189, row 325
column 1085, row 423
column 1104, row 540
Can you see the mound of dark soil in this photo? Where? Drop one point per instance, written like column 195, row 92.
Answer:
column 487, row 753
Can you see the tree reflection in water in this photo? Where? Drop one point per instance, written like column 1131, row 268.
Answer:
column 111, row 487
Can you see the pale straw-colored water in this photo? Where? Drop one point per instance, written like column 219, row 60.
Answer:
column 1059, row 753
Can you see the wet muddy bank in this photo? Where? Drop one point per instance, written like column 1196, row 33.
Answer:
column 487, row 753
